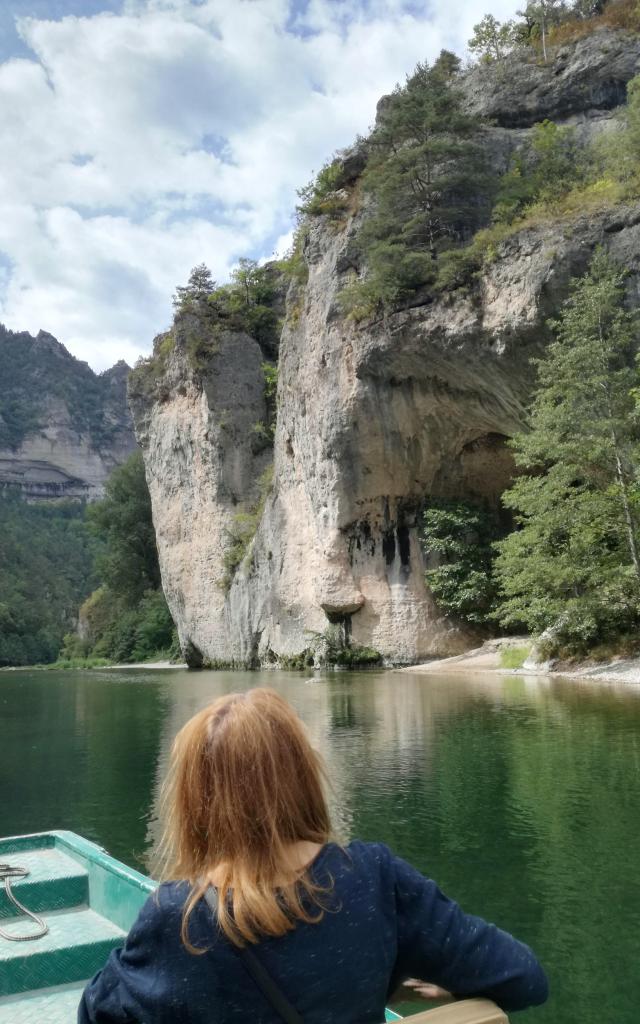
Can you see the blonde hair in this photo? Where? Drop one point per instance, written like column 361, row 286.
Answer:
column 244, row 783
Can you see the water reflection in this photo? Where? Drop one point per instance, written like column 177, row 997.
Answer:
column 521, row 796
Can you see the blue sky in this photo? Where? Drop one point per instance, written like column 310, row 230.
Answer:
column 140, row 137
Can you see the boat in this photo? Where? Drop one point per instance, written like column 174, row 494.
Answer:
column 80, row 903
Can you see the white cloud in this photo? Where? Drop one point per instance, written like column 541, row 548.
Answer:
column 137, row 145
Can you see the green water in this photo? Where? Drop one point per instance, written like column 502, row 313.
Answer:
column 521, row 798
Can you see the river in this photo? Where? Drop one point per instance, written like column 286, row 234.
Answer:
column 521, row 797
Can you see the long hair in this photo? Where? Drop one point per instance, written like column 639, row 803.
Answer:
column 244, row 783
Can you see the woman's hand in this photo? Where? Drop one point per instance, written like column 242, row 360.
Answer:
column 427, row 990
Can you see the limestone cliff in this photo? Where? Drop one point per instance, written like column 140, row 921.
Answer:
column 63, row 428
column 372, row 417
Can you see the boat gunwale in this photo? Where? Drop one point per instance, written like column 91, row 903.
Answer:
column 78, row 848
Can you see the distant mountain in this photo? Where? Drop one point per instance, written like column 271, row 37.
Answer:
column 63, row 427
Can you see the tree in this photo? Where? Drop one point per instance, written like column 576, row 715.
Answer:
column 491, row 39
column 622, row 149
column 586, row 8
column 247, row 303
column 460, row 535
column 425, row 176
column 319, row 196
column 539, row 16
column 198, row 288
column 46, row 571
column 128, row 565
column 573, row 562
column 126, row 618
column 542, row 172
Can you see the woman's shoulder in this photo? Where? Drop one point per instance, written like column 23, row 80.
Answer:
column 166, row 901
column 361, row 850
column 356, row 856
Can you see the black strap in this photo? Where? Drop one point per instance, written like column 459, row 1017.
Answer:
column 260, row 975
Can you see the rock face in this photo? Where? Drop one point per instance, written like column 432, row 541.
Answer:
column 371, row 420
column 584, row 77
column 62, row 427
column 203, row 462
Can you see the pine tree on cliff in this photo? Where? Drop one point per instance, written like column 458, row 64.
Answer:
column 426, row 165
column 425, row 178
column 197, row 289
column 573, row 562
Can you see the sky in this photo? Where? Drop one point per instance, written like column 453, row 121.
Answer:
column 141, row 137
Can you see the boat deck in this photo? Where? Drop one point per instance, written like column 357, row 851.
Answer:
column 55, row 1005
column 88, row 900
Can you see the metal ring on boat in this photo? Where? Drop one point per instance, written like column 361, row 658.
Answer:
column 7, row 872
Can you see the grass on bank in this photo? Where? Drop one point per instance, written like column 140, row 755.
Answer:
column 514, row 657
column 91, row 662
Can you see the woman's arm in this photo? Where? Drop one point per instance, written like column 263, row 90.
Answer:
column 467, row 956
column 135, row 983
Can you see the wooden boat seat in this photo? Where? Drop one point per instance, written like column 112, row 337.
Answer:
column 464, row 1011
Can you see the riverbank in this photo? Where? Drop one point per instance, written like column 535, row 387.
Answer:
column 150, row 664
column 486, row 658
column 490, row 657
column 90, row 665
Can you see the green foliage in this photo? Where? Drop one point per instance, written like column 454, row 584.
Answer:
column 247, row 303
column 149, row 371
column 427, row 185
column 270, row 371
column 616, row 154
column 355, row 656
column 36, row 371
column 46, row 556
column 136, row 633
column 553, row 178
column 198, row 288
column 126, row 618
column 550, row 177
column 66, row 663
column 333, row 647
column 493, row 40
column 128, row 564
column 514, row 657
column 421, row 174
column 584, row 9
column 540, row 16
column 572, row 564
column 546, row 169
column 544, row 24
column 266, row 431
column 243, row 529
column 296, row 662
column 293, row 265
column 460, row 535
column 424, row 208
column 52, row 557
column 319, row 196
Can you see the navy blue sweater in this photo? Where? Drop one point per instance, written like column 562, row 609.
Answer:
column 386, row 922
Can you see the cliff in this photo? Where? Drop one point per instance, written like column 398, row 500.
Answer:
column 63, row 428
column 373, row 417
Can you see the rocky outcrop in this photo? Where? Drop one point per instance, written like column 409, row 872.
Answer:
column 372, row 419
column 584, row 78
column 63, row 428
column 203, row 461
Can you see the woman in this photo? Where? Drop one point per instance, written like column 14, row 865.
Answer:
column 335, row 928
